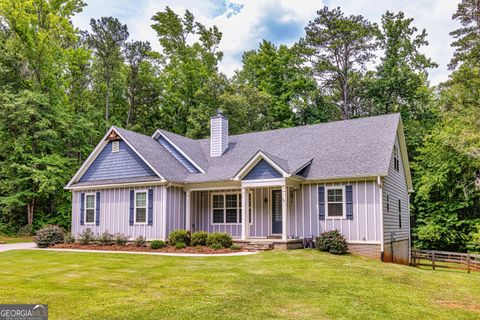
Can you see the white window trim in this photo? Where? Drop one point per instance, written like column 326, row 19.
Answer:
column 94, row 208
column 135, row 207
column 239, row 208
column 344, row 203
column 396, row 158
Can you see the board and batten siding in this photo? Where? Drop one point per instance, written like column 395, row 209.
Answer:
column 395, row 186
column 122, row 164
column 365, row 225
column 303, row 213
column 175, row 208
column 115, row 213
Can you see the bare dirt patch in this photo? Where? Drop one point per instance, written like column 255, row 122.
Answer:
column 134, row 248
column 460, row 305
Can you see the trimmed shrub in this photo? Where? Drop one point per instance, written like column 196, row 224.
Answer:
column 235, row 247
column 69, row 238
column 140, row 241
column 157, row 244
column 179, row 235
column 216, row 246
column 49, row 235
column 120, row 239
column 26, row 230
column 105, row 239
column 331, row 241
column 180, row 245
column 199, row 238
column 86, row 237
column 224, row 240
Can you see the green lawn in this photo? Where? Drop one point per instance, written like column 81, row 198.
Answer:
column 276, row 284
column 15, row 239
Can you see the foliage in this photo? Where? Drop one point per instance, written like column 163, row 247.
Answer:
column 219, row 239
column 49, row 235
column 69, row 238
column 120, row 239
column 180, row 245
column 339, row 48
column 26, row 230
column 105, row 238
column 216, row 246
column 474, row 243
column 199, row 238
column 86, row 237
column 179, row 235
column 235, row 247
column 331, row 241
column 157, row 244
column 140, row 241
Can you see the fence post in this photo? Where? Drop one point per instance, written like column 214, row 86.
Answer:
column 468, row 263
column 433, row 260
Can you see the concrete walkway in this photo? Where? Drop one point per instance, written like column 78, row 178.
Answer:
column 17, row 246
column 242, row 253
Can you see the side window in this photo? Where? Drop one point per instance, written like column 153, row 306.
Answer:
column 399, row 214
column 396, row 158
column 141, row 207
column 335, row 202
column 90, row 208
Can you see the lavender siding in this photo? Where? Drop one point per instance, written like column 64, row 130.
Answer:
column 262, row 170
column 175, row 209
column 122, row 164
column 303, row 214
column 114, row 213
column 395, row 186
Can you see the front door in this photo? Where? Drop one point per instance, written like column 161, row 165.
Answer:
column 276, row 211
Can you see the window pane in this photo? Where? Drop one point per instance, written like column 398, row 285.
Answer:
column 141, row 199
column 335, row 195
column 90, row 201
column 218, row 201
column 231, row 215
column 141, row 215
column 335, row 209
column 90, row 216
column 231, row 200
column 217, row 215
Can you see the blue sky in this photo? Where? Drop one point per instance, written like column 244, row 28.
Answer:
column 245, row 23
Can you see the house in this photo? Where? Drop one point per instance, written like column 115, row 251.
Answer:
column 274, row 186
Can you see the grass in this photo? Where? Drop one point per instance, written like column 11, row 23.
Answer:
column 15, row 239
column 273, row 285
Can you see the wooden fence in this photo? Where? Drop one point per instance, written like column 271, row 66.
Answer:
column 444, row 259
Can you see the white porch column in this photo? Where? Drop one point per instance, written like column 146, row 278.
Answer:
column 245, row 222
column 188, row 214
column 284, row 212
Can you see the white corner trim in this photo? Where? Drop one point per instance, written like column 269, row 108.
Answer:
column 159, row 133
column 253, row 161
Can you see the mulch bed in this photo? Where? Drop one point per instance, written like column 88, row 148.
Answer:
column 134, row 248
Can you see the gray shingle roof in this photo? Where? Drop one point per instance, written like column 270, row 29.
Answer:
column 341, row 149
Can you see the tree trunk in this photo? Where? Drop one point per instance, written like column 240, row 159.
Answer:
column 30, row 208
column 107, row 106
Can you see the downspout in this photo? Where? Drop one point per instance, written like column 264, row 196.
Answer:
column 380, row 188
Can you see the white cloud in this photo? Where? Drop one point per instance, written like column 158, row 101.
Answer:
column 281, row 21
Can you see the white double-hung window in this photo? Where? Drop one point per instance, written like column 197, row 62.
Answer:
column 335, row 207
column 140, row 207
column 90, row 208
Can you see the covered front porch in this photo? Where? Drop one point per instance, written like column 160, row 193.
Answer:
column 251, row 211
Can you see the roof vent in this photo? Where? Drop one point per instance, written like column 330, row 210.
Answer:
column 218, row 134
column 115, row 146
